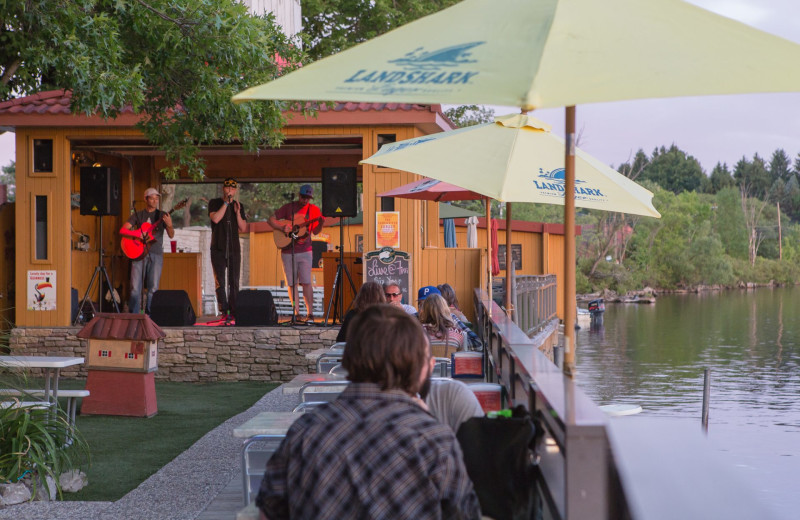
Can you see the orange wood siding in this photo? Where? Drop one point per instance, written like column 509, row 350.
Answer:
column 182, row 271
column 460, row 267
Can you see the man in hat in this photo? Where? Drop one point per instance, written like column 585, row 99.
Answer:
column 297, row 256
column 228, row 219
column 147, row 226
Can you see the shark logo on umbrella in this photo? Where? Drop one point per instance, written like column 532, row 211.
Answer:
column 552, row 184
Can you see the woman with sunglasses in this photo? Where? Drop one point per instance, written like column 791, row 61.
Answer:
column 228, row 219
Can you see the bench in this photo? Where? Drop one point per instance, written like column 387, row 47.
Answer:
column 72, row 397
column 280, row 295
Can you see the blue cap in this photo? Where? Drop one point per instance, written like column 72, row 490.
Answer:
column 426, row 291
column 307, row 190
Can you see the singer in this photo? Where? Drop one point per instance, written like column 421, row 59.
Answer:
column 228, row 219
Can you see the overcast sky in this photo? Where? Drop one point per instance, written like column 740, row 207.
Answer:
column 712, row 129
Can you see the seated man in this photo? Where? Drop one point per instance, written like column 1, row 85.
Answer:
column 450, row 401
column 394, row 295
column 375, row 452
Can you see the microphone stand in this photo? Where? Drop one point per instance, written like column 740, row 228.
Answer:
column 293, row 287
column 226, row 288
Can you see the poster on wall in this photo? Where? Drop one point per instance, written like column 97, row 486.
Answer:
column 41, row 290
column 387, row 229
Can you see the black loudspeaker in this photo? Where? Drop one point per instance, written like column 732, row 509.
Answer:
column 339, row 194
column 172, row 309
column 255, row 309
column 101, row 190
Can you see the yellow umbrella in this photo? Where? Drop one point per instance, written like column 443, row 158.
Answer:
column 515, row 159
column 549, row 53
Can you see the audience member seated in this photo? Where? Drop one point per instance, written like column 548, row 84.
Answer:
column 424, row 292
column 370, row 293
column 375, row 452
column 449, row 295
column 473, row 341
column 450, row 401
column 394, row 295
column 438, row 323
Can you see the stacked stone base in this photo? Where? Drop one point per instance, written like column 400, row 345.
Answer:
column 198, row 354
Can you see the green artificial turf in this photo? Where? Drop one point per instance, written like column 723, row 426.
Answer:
column 125, row 451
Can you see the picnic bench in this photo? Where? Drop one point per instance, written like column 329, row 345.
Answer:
column 283, row 305
column 40, row 396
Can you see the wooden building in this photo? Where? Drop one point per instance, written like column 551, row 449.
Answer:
column 51, row 235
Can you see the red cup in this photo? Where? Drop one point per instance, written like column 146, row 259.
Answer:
column 173, row 244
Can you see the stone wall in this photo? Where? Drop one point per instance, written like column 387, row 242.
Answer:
column 199, row 353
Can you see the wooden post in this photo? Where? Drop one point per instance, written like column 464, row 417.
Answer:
column 780, row 241
column 509, row 260
column 569, row 244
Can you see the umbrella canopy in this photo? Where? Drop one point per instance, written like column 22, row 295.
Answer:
column 549, row 53
column 514, row 159
column 431, row 189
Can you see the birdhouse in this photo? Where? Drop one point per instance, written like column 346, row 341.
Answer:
column 123, row 342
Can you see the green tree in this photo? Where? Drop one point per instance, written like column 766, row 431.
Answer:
column 8, row 177
column 780, row 166
column 177, row 62
column 469, row 115
column 334, row 25
column 675, row 171
column 720, row 178
column 753, row 175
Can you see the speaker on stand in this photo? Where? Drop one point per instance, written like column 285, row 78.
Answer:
column 100, row 195
column 339, row 199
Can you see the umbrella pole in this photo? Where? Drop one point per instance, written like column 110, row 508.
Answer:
column 509, row 259
column 489, row 248
column 569, row 245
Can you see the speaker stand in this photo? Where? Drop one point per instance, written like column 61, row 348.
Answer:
column 99, row 270
column 337, row 293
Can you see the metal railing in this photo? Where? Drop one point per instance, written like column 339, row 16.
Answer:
column 590, row 467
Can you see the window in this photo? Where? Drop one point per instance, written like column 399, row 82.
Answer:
column 42, row 155
column 40, row 230
column 386, row 139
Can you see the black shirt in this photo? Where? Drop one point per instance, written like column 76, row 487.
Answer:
column 226, row 231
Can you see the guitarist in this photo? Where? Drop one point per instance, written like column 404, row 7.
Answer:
column 299, row 212
column 146, row 272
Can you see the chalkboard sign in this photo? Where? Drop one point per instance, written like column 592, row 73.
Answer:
column 516, row 254
column 389, row 265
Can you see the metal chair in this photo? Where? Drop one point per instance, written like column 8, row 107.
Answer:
column 256, row 451
column 327, row 361
column 338, row 370
column 443, row 349
column 442, row 367
column 321, row 391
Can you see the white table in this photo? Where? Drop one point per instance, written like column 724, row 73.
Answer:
column 294, row 386
column 52, row 366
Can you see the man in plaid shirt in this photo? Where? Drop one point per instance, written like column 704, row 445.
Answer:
column 375, row 452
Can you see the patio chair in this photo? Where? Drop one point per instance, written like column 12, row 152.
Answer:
column 256, row 451
column 321, row 391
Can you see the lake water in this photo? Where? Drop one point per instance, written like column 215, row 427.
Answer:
column 654, row 356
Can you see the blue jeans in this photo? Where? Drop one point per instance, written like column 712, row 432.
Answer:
column 149, row 270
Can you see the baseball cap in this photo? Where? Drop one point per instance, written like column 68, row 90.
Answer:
column 307, row 190
column 427, row 291
column 151, row 191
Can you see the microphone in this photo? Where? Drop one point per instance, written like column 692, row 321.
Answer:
column 230, row 199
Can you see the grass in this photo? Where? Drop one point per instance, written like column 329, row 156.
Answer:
column 127, row 450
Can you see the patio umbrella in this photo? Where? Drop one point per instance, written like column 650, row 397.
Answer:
column 539, row 54
column 548, row 54
column 432, row 189
column 514, row 159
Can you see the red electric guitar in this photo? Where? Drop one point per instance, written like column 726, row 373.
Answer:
column 137, row 248
column 299, row 230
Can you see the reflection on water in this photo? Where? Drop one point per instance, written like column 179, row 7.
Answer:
column 654, row 356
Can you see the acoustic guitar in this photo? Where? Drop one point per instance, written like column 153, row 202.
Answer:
column 299, row 231
column 137, row 248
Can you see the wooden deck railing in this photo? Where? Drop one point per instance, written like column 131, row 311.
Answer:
column 590, row 467
column 534, row 299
